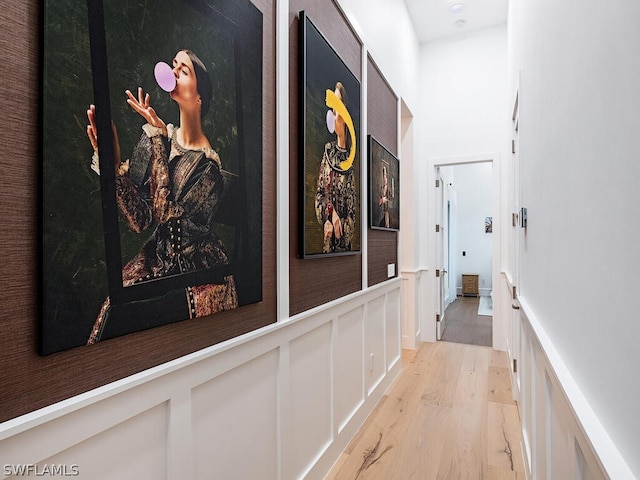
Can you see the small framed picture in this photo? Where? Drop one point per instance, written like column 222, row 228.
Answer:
column 488, row 224
column 384, row 187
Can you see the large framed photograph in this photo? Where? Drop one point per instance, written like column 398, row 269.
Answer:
column 329, row 149
column 384, row 187
column 152, row 165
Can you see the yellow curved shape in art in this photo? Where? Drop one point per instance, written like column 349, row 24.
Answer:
column 334, row 102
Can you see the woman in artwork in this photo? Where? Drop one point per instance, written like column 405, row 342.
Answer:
column 335, row 202
column 172, row 186
column 384, row 198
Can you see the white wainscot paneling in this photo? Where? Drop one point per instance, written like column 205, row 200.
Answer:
column 392, row 319
column 310, row 414
column 555, row 440
column 374, row 343
column 133, row 449
column 281, row 403
column 412, row 309
column 234, row 422
column 348, row 366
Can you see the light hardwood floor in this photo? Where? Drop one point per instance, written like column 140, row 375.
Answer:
column 448, row 416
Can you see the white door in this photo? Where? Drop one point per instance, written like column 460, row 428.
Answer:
column 513, row 338
column 441, row 242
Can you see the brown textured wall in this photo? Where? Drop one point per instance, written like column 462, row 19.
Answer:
column 317, row 280
column 382, row 123
column 27, row 380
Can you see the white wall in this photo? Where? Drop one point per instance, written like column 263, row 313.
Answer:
column 473, row 186
column 397, row 53
column 397, row 56
column 464, row 94
column 578, row 65
column 463, row 105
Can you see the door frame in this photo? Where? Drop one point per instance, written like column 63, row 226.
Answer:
column 429, row 326
column 441, row 270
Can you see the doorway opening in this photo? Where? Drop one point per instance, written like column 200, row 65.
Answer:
column 465, row 249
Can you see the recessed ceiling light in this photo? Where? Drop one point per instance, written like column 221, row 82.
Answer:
column 460, row 23
column 456, row 8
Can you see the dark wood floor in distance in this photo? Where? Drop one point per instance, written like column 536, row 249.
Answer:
column 464, row 325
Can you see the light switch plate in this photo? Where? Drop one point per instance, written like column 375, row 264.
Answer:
column 391, row 270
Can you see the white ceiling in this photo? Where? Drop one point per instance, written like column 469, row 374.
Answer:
column 433, row 19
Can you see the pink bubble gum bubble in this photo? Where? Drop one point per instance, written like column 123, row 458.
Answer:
column 165, row 77
column 331, row 121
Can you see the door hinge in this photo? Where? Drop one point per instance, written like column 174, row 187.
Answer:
column 515, row 365
column 514, row 219
column 437, row 227
column 437, row 317
column 513, row 147
column 437, row 183
column 514, row 293
column 437, row 272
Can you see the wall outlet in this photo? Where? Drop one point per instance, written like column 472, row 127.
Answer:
column 391, row 270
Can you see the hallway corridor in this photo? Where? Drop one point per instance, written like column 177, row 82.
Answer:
column 449, row 415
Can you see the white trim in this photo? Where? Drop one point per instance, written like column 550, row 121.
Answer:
column 282, row 158
column 499, row 340
column 610, row 457
column 282, row 215
column 464, row 159
column 164, row 396
column 64, row 407
column 364, row 168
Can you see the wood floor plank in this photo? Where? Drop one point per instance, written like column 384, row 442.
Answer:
column 464, row 454
column 499, row 359
column 439, row 421
column 389, row 420
column 443, row 371
column 504, row 437
column 500, row 386
column 499, row 474
column 418, row 456
column 476, row 359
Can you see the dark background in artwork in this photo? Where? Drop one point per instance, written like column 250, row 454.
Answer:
column 321, row 279
column 29, row 381
column 138, row 35
column 379, row 157
column 73, row 245
column 323, row 69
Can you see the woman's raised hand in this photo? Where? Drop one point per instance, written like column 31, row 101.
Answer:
column 92, row 133
column 146, row 111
